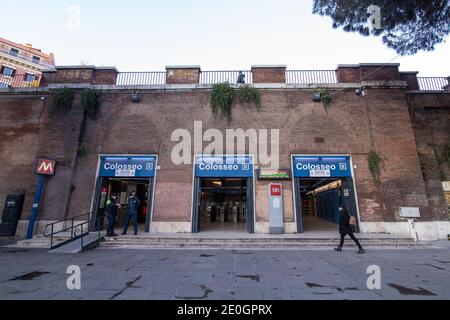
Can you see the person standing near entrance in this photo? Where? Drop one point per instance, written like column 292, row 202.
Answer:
column 132, row 212
column 111, row 209
column 346, row 228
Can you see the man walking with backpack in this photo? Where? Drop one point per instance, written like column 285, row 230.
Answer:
column 346, row 227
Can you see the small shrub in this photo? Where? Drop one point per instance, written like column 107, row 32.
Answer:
column 325, row 98
column 63, row 99
column 89, row 101
column 375, row 162
column 249, row 94
column 222, row 98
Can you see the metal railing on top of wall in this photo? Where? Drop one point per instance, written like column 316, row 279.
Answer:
column 311, row 76
column 433, row 83
column 141, row 78
column 213, row 77
column 292, row 77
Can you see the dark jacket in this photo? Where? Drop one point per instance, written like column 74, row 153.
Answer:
column 111, row 207
column 133, row 205
column 344, row 223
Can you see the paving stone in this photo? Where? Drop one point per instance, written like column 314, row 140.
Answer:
column 222, row 274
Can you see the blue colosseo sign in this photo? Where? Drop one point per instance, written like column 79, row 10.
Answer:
column 224, row 167
column 128, row 167
column 322, row 167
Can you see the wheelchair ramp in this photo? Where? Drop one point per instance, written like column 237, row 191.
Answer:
column 77, row 245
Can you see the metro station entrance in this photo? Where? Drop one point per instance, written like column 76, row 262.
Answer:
column 322, row 185
column 223, row 204
column 223, row 194
column 118, row 177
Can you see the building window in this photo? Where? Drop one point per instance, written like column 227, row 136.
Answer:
column 7, row 71
column 14, row 52
column 29, row 77
column 36, row 59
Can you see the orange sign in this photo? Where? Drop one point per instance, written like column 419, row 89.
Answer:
column 46, row 167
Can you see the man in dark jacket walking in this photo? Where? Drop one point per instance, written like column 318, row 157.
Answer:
column 345, row 228
column 132, row 212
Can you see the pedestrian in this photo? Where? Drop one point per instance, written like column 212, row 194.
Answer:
column 132, row 212
column 347, row 228
column 241, row 77
column 111, row 209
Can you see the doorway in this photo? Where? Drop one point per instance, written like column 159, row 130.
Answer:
column 120, row 189
column 118, row 176
column 223, row 204
column 223, row 197
column 323, row 184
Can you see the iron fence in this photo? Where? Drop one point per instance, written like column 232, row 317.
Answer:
column 213, row 77
column 433, row 83
column 141, row 78
column 311, row 76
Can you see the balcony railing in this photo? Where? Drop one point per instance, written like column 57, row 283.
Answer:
column 141, row 78
column 20, row 81
column 213, row 77
column 316, row 77
column 311, row 76
column 434, row 83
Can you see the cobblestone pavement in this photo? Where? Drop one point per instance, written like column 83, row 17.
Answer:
column 221, row 274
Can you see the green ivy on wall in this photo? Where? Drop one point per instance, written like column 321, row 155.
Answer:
column 324, row 97
column 249, row 94
column 375, row 162
column 223, row 97
column 63, row 99
column 90, row 102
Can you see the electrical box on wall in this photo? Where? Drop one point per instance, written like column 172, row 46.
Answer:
column 276, row 224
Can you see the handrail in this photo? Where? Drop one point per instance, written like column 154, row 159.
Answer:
column 73, row 229
column 61, row 221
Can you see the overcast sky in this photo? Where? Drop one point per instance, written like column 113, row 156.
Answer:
column 143, row 35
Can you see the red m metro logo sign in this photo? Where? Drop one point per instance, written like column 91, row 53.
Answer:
column 46, row 167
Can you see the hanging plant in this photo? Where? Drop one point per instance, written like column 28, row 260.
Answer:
column 222, row 98
column 89, row 101
column 375, row 162
column 249, row 94
column 62, row 99
column 321, row 95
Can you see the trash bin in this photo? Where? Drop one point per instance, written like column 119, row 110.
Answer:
column 11, row 214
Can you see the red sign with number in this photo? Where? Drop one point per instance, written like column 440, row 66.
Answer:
column 275, row 190
column 46, row 167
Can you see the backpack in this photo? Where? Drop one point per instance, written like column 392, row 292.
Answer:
column 352, row 221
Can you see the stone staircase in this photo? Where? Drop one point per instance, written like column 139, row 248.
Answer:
column 40, row 242
column 256, row 243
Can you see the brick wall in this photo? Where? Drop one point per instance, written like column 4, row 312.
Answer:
column 430, row 115
column 30, row 129
column 269, row 74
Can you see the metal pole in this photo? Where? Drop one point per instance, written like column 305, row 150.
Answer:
column 34, row 211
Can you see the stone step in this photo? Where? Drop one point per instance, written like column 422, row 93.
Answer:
column 261, row 243
column 265, row 241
